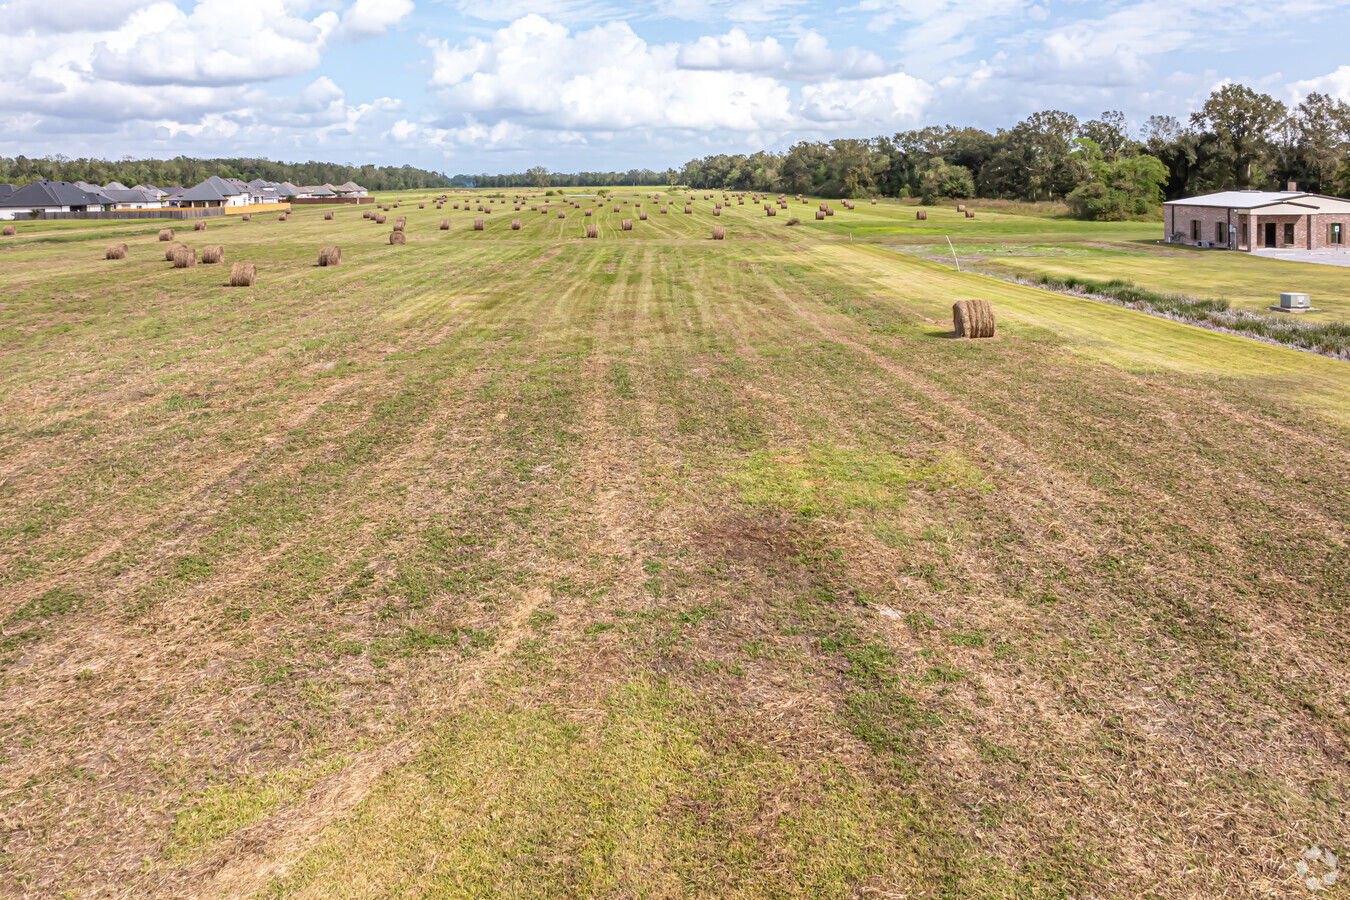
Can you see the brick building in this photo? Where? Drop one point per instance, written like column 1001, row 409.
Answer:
column 1259, row 220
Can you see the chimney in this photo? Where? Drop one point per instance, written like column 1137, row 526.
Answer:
column 1293, row 186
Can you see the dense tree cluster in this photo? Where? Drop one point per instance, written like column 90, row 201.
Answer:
column 539, row 177
column 1239, row 139
column 186, row 172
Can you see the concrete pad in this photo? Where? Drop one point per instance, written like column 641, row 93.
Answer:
column 1320, row 257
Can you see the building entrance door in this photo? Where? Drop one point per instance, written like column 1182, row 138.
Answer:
column 1270, row 234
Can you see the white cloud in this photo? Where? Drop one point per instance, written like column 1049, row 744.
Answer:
column 56, row 16
column 891, row 100
column 371, row 18
column 1335, row 84
column 811, row 57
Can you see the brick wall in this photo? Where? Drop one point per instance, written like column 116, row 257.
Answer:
column 1186, row 219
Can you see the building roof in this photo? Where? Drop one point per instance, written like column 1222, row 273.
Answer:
column 1280, row 202
column 114, row 186
column 132, row 195
column 318, row 190
column 6, row 190
column 213, row 188
column 350, row 187
column 41, row 194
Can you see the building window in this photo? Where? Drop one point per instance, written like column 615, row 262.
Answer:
column 1289, row 234
column 1220, row 233
column 1244, row 234
column 1335, row 233
column 1195, row 229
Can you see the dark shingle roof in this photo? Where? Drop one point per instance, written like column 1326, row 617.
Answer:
column 52, row 193
column 131, row 195
column 6, row 190
column 213, row 188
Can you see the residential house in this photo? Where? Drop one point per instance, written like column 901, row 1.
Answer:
column 172, row 195
column 52, row 197
column 1259, row 220
column 350, row 189
column 214, row 193
column 133, row 198
column 114, row 186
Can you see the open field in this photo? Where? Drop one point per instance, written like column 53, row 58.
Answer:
column 511, row 563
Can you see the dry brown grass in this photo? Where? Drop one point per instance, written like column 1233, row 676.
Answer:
column 213, row 254
column 243, row 274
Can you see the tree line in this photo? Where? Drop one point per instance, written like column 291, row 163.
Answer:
column 540, row 177
column 186, row 172
column 1101, row 168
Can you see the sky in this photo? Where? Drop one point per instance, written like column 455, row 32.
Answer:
column 500, row 85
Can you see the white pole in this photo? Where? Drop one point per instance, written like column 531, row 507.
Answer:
column 953, row 249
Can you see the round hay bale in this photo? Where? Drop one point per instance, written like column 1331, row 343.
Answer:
column 398, row 226
column 328, row 217
column 973, row 318
column 397, row 238
column 626, row 224
column 771, row 211
column 330, row 256
column 9, row 231
column 198, row 226
column 562, row 214
column 663, row 209
column 874, row 201
column 213, row 254
column 366, row 214
column 717, row 211
column 592, row 231
column 165, row 234
column 588, row 213
column 185, row 258
column 688, row 210
column 116, row 251
column 616, row 207
column 820, row 214
column 793, row 221
column 246, row 218
column 921, row 215
column 719, row 233
column 970, row 214
column 281, row 218
column 515, row 224
column 642, row 215
column 421, row 206
column 380, row 219
column 445, row 224
column 243, row 274
column 478, row 224
column 960, row 207
column 829, row 212
column 170, row 250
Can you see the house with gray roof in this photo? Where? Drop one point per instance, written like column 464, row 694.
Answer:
column 51, row 196
column 214, row 193
column 350, row 189
column 133, row 198
column 1259, row 220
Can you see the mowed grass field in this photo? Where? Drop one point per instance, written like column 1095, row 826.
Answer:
column 514, row 564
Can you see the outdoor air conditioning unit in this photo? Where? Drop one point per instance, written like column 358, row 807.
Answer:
column 1295, row 300
column 1204, row 245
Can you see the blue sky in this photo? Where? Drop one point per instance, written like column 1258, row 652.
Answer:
column 500, row 85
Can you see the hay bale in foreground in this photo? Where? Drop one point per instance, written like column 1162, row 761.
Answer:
column 973, row 318
column 642, row 215
column 397, row 238
column 380, row 219
column 198, row 226
column 820, row 214
column 243, row 274
column 165, row 234
column 9, row 231
column 328, row 217
column 688, row 210
column 330, row 256
column 213, row 254
column 281, row 218
column 626, row 224
column 185, row 258
column 116, row 251
column 445, row 224
column 478, row 224
column 592, row 231
column 515, row 224
column 719, row 233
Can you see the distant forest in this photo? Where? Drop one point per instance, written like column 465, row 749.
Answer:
column 186, row 172
column 1102, row 168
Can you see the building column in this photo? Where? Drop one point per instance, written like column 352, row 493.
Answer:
column 1252, row 235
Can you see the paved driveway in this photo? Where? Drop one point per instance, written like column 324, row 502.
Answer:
column 1321, row 257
